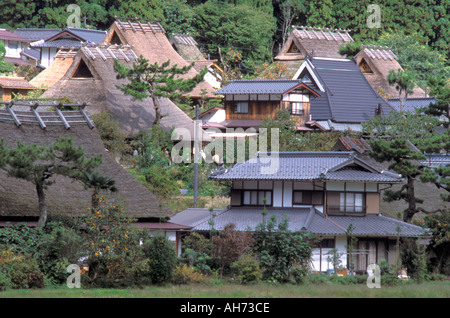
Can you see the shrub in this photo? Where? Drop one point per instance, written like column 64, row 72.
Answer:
column 22, row 271
column 5, row 281
column 162, row 258
column 317, row 279
column 246, row 269
column 300, row 273
column 184, row 274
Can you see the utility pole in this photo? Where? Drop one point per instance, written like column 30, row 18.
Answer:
column 196, row 153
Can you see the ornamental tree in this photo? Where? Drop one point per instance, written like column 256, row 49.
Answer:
column 156, row 81
column 39, row 164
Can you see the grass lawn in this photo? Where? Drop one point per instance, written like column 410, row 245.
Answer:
column 439, row 289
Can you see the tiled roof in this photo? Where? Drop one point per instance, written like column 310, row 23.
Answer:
column 412, row 103
column 333, row 166
column 348, row 96
column 308, row 218
column 36, row 34
column 58, row 43
column 11, row 36
column 259, row 87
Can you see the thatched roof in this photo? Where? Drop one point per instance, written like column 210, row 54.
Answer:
column 15, row 82
column 91, row 78
column 148, row 38
column 61, row 63
column 376, row 62
column 187, row 47
column 318, row 42
column 18, row 197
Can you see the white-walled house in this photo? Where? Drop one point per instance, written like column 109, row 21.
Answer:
column 320, row 192
column 14, row 45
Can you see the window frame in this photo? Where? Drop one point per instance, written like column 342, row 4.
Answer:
column 237, row 108
column 343, row 208
column 258, row 198
column 311, row 197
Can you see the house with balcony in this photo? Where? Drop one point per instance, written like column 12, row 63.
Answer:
column 248, row 102
column 320, row 192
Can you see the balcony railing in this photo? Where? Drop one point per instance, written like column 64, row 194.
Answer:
column 346, row 210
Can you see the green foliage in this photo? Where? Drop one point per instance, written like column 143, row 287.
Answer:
column 246, row 269
column 155, row 81
column 38, row 164
column 403, row 82
column 162, row 258
column 279, row 249
column 20, row 271
column 114, row 255
column 20, row 239
column 185, row 274
column 5, row 67
column 113, row 138
column 58, row 248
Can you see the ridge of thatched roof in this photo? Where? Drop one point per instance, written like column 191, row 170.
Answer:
column 66, row 196
column 61, row 63
column 15, row 82
column 153, row 45
column 100, row 90
column 375, row 63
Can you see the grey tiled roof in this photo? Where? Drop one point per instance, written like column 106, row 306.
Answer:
column 258, row 87
column 58, row 43
column 308, row 218
column 412, row 104
column 306, row 166
column 348, row 96
column 36, row 34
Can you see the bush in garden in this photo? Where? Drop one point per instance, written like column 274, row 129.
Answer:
column 20, row 271
column 279, row 249
column 185, row 274
column 246, row 269
column 228, row 245
column 162, row 258
column 59, row 248
column 114, row 255
column 300, row 273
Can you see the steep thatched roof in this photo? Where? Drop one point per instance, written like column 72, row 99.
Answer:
column 375, row 63
column 318, row 42
column 149, row 40
column 91, row 78
column 18, row 197
column 48, row 77
column 187, row 47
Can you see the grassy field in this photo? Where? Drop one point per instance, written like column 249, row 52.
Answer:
column 228, row 290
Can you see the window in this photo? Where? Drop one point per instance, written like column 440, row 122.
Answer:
column 351, row 202
column 339, row 203
column 256, row 197
column 297, row 108
column 307, row 197
column 241, row 108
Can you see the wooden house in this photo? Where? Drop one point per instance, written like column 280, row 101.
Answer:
column 248, row 102
column 148, row 38
column 91, row 78
column 319, row 192
column 67, row 38
column 375, row 63
column 11, row 86
column 14, row 46
column 306, row 41
column 29, row 123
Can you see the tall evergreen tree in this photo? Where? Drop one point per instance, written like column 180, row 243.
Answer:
column 156, row 81
column 39, row 164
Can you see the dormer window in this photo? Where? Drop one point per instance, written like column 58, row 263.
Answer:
column 365, row 68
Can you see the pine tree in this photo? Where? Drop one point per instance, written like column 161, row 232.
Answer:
column 39, row 164
column 156, row 81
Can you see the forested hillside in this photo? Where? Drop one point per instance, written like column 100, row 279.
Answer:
column 250, row 32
